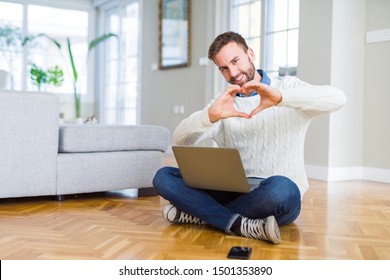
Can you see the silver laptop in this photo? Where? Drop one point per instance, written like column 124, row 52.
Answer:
column 213, row 168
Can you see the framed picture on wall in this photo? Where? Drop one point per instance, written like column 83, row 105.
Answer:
column 174, row 33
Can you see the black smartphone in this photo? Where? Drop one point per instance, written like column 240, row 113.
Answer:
column 237, row 252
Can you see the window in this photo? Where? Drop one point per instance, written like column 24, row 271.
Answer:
column 28, row 19
column 119, row 89
column 278, row 22
column 246, row 20
column 281, row 37
column 11, row 22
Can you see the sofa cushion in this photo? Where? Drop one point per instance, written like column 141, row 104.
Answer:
column 74, row 138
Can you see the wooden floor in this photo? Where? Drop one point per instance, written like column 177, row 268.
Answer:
column 343, row 220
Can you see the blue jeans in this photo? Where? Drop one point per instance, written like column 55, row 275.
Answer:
column 276, row 195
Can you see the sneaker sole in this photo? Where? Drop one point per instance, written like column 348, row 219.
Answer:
column 273, row 230
column 165, row 212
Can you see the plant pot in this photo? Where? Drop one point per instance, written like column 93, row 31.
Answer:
column 76, row 121
column 4, row 77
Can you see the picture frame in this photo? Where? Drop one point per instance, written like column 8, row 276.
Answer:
column 174, row 33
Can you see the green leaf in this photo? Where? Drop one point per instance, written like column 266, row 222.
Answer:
column 100, row 39
column 38, row 76
column 75, row 76
column 10, row 36
column 55, row 76
column 31, row 38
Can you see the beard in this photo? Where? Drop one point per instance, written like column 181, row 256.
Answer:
column 248, row 73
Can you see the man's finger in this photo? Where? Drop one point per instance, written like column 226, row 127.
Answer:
column 232, row 90
column 255, row 111
column 252, row 86
column 242, row 115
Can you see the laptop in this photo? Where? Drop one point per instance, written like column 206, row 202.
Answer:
column 213, row 169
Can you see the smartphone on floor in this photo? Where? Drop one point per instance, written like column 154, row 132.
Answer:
column 238, row 252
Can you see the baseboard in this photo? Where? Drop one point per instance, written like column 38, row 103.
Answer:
column 376, row 174
column 317, row 172
column 332, row 174
column 346, row 173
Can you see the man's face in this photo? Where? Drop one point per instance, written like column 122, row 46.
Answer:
column 235, row 65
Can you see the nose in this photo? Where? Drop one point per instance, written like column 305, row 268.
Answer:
column 233, row 71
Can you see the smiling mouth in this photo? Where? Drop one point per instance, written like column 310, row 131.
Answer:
column 238, row 79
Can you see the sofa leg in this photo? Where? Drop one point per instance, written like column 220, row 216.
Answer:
column 60, row 197
column 147, row 192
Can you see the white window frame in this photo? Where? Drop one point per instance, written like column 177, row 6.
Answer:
column 107, row 7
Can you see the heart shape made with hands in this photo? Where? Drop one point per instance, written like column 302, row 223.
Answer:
column 224, row 108
column 269, row 96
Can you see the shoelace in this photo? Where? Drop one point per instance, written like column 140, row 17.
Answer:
column 253, row 228
column 188, row 219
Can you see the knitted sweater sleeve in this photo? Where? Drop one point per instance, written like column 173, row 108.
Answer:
column 310, row 99
column 195, row 128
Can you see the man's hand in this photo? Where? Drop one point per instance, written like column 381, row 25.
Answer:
column 223, row 107
column 268, row 96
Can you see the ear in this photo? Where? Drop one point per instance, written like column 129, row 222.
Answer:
column 251, row 54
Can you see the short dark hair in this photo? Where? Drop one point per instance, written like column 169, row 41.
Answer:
column 223, row 39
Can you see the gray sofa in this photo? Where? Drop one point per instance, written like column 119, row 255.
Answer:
column 39, row 157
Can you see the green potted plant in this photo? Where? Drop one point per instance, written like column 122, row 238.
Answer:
column 75, row 75
column 40, row 77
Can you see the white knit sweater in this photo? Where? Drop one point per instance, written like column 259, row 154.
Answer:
column 271, row 142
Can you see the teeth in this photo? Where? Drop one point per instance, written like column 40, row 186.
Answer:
column 239, row 78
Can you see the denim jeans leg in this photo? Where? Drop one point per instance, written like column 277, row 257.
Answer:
column 198, row 203
column 277, row 195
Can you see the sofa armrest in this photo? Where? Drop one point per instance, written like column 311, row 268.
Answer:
column 28, row 144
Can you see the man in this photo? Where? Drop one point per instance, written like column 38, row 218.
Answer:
column 266, row 120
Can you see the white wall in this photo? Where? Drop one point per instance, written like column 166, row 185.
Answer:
column 377, row 89
column 314, row 66
column 162, row 89
column 347, row 63
column 353, row 142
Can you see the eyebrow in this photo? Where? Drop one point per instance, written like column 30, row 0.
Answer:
column 224, row 67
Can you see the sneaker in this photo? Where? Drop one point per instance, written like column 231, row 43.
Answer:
column 262, row 229
column 175, row 216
